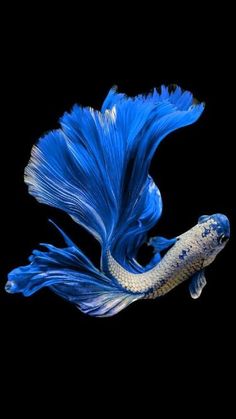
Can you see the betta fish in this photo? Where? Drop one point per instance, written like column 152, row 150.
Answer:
column 95, row 167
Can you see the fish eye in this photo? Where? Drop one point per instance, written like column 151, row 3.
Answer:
column 223, row 238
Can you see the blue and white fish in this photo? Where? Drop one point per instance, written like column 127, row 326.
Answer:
column 95, row 168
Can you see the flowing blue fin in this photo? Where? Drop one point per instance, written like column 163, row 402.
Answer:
column 67, row 240
column 167, row 111
column 198, row 282
column 161, row 243
column 95, row 167
column 154, row 261
column 69, row 273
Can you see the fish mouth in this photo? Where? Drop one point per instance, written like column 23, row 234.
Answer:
column 223, row 223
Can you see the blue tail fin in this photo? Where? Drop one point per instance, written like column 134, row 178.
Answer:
column 70, row 274
column 95, row 167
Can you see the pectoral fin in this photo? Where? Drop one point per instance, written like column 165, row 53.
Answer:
column 160, row 243
column 198, row 282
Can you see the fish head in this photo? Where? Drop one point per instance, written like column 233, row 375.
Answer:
column 214, row 233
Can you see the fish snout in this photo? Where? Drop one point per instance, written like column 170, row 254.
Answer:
column 224, row 226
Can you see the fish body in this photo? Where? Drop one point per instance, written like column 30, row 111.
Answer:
column 192, row 251
column 95, row 168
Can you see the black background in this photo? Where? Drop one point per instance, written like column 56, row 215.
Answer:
column 46, row 72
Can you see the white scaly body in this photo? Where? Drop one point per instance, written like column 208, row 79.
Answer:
column 192, row 251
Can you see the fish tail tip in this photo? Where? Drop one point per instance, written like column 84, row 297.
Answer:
column 10, row 287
